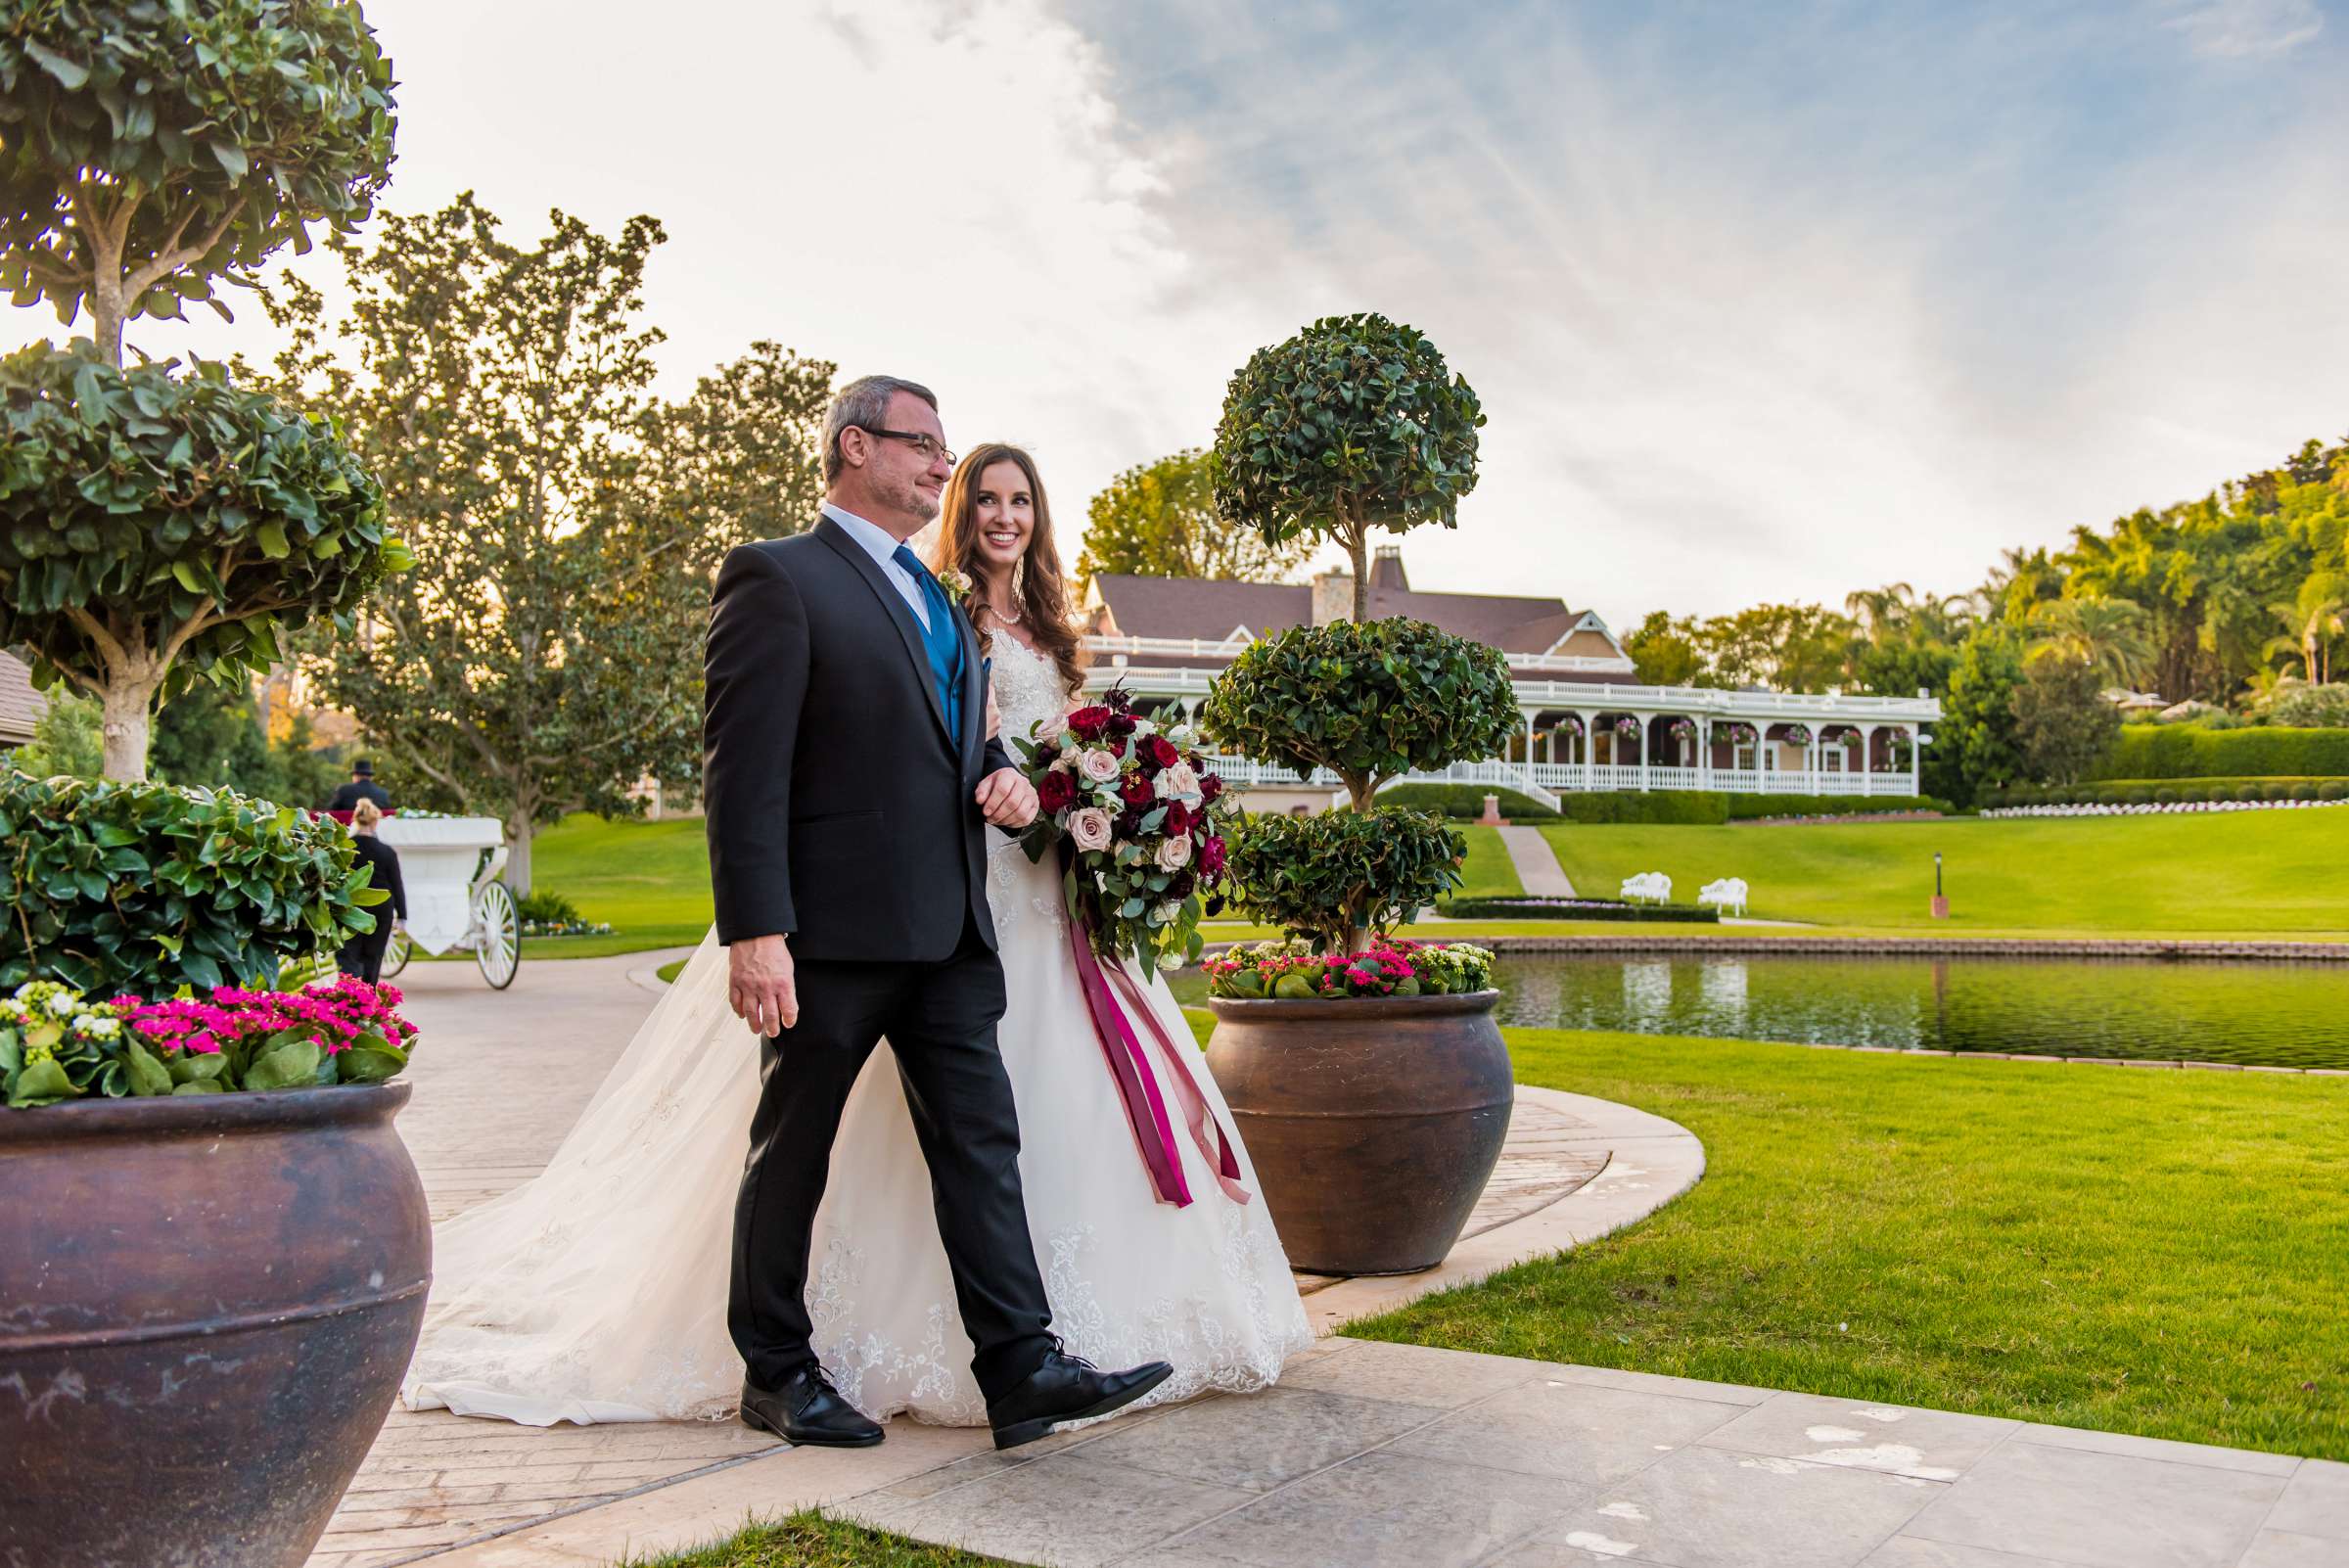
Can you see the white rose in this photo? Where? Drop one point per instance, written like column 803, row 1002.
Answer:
column 1174, row 853
column 1098, row 765
column 1168, row 963
column 1167, row 912
column 1177, row 781
column 1088, row 826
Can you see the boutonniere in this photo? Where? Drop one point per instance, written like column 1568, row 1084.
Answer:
column 957, row 584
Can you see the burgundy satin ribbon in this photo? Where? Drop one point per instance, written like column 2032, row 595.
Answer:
column 1137, row 1085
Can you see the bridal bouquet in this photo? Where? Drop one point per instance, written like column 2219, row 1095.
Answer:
column 1142, row 823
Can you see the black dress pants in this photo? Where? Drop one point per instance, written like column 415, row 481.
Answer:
column 939, row 1020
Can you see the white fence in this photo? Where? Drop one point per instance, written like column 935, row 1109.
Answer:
column 1545, row 781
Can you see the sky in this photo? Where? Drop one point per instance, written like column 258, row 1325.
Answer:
column 1764, row 301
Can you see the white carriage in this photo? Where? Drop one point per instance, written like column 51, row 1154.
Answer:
column 454, row 898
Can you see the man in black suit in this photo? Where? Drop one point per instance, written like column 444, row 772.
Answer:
column 362, row 787
column 848, row 781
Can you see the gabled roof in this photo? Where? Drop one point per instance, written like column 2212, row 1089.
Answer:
column 21, row 707
column 1208, row 609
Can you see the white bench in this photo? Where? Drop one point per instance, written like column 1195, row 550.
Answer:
column 1725, row 894
column 1648, row 887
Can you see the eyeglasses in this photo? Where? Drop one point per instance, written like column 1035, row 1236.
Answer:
column 932, row 447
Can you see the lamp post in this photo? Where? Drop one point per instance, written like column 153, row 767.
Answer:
column 1941, row 905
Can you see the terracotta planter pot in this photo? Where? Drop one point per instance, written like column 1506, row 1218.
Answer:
column 205, row 1306
column 1374, row 1123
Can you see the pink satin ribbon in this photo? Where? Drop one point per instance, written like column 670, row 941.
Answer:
column 1138, row 1088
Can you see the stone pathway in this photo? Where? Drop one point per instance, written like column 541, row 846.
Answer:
column 1536, row 864
column 503, row 1075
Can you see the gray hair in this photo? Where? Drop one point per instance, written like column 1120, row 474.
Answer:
column 864, row 403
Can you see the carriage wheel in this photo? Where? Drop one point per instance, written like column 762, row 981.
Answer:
column 397, row 953
column 500, row 952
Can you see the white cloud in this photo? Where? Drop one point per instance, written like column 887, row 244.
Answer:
column 2242, row 29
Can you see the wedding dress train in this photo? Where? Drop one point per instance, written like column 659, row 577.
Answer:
column 597, row 1290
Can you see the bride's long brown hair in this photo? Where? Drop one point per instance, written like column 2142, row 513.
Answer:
column 1043, row 593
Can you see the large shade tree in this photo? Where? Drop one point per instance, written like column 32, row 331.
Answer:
column 544, row 655
column 1354, row 425
column 157, row 526
column 1159, row 520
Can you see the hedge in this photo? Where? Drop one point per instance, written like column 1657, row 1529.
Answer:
column 1743, row 807
column 2166, row 791
column 1702, row 807
column 1462, row 800
column 2191, row 750
column 1577, row 909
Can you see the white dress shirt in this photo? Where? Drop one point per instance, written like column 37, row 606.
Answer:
column 882, row 545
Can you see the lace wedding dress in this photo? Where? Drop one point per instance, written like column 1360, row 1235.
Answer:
column 597, row 1290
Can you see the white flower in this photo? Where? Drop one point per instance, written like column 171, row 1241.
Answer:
column 1168, row 963
column 1174, row 853
column 1050, row 730
column 61, row 1003
column 1098, row 765
column 1167, row 912
column 1179, row 781
column 1088, row 826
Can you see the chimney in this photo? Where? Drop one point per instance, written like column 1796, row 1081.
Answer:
column 1333, row 597
column 1386, row 569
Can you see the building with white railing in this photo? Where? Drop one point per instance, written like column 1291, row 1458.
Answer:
column 1588, row 725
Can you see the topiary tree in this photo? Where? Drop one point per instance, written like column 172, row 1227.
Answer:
column 150, row 147
column 154, row 528
column 1354, row 424
column 1366, row 701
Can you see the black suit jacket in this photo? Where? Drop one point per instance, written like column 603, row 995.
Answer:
column 840, row 810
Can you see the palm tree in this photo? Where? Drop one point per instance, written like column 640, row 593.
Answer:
column 2108, row 635
column 2317, row 615
column 1882, row 612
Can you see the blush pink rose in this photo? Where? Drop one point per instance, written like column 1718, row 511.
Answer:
column 1177, row 781
column 1175, row 853
column 1098, row 765
column 1088, row 827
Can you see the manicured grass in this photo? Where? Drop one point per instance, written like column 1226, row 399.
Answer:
column 1490, row 874
column 631, row 873
column 2162, row 1253
column 2244, row 871
column 809, row 1540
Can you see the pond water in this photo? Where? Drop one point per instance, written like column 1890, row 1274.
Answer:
column 2269, row 1014
column 2265, row 1014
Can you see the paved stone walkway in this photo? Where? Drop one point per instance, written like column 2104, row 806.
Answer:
column 503, row 1075
column 1536, row 864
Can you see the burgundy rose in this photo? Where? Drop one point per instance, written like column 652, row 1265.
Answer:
column 1178, row 817
column 1159, row 750
column 1055, row 792
column 1086, row 722
column 1120, row 725
column 1137, row 792
column 1210, row 785
column 1211, row 858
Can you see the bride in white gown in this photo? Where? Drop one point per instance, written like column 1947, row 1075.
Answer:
column 597, row 1290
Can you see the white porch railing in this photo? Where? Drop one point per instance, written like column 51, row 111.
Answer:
column 1546, row 781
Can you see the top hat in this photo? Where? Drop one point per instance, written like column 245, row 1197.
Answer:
column 362, row 768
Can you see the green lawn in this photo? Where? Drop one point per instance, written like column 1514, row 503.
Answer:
column 2157, row 1253
column 1490, row 874
column 2224, row 872
column 811, row 1540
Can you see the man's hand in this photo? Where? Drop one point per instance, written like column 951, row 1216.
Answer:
column 1006, row 799
column 761, row 984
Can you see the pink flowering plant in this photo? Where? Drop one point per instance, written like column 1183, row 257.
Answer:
column 1290, row 970
column 1141, row 821
column 57, row 1045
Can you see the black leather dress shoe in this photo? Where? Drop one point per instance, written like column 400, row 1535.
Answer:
column 1067, row 1388
column 807, row 1409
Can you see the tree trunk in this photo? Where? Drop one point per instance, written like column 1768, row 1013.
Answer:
column 1357, row 546
column 518, row 852
column 127, row 714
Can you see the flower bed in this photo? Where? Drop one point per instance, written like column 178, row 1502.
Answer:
column 2151, row 810
column 567, row 928
column 1289, row 971
column 1575, row 909
column 57, row 1045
